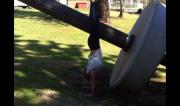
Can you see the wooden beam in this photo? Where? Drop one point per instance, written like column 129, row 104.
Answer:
column 78, row 20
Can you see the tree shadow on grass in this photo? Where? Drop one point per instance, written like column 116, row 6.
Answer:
column 57, row 66
column 54, row 66
column 36, row 15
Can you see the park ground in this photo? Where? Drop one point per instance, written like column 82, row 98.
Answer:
column 49, row 58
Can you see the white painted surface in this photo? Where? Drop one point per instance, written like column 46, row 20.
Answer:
column 18, row 3
column 134, row 68
column 65, row 2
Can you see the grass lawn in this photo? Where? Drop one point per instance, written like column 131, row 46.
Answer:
column 49, row 56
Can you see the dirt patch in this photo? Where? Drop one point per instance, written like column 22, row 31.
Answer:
column 154, row 94
column 54, row 98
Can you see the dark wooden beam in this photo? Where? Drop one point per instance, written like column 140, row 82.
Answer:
column 78, row 20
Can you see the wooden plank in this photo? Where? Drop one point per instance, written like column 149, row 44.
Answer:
column 78, row 20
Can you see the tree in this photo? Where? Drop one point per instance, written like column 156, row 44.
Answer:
column 121, row 8
column 104, row 11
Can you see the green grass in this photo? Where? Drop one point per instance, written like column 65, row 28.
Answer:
column 49, row 56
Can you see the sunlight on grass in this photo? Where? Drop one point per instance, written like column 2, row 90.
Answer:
column 31, row 52
column 124, row 24
column 54, row 50
column 19, row 58
column 27, row 94
column 20, row 74
column 160, row 74
column 36, row 96
column 49, row 73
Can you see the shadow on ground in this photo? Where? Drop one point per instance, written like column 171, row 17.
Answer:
column 58, row 66
column 36, row 15
column 55, row 66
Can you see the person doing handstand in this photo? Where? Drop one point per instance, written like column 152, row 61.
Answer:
column 95, row 56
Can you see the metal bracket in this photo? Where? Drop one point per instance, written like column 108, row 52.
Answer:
column 129, row 41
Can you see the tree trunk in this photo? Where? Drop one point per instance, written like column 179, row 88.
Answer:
column 104, row 11
column 121, row 9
